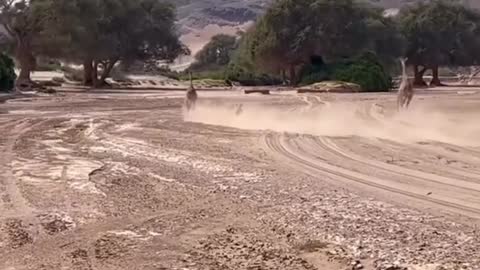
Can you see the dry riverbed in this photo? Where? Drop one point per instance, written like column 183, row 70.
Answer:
column 125, row 180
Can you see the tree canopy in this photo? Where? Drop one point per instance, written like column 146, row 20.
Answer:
column 440, row 33
column 101, row 33
column 97, row 33
column 217, row 52
column 7, row 73
column 292, row 31
column 25, row 24
column 297, row 37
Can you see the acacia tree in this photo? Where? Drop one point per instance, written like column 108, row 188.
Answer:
column 242, row 66
column 439, row 33
column 384, row 37
column 217, row 52
column 284, row 37
column 24, row 22
column 103, row 32
column 292, row 31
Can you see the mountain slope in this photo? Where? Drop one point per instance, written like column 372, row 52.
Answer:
column 199, row 20
column 197, row 14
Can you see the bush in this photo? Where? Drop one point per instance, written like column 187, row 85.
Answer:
column 313, row 77
column 202, row 75
column 7, row 73
column 250, row 78
column 232, row 73
column 167, row 72
column 209, row 83
column 315, row 71
column 366, row 71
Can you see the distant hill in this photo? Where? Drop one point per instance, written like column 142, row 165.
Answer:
column 196, row 14
column 199, row 20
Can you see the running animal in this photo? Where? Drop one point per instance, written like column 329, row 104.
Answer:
column 405, row 90
column 191, row 96
column 239, row 109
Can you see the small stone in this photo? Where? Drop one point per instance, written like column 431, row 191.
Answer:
column 332, row 252
column 356, row 265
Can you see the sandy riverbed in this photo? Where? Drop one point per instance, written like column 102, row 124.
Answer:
column 126, row 180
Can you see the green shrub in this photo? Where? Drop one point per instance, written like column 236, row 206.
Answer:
column 313, row 77
column 202, row 75
column 315, row 72
column 167, row 72
column 366, row 71
column 250, row 78
column 7, row 73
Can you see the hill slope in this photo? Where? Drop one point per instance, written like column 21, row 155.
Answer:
column 197, row 14
column 199, row 20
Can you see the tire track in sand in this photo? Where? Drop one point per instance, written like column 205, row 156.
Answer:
column 448, row 196
column 439, row 175
column 377, row 113
column 443, row 187
column 12, row 202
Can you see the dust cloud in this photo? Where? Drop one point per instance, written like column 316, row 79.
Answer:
column 421, row 123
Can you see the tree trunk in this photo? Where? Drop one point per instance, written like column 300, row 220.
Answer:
column 293, row 75
column 95, row 73
column 88, row 72
column 24, row 76
column 26, row 61
column 107, row 68
column 435, row 78
column 284, row 77
column 418, row 73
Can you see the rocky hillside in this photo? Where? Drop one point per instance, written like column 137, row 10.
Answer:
column 197, row 14
column 199, row 20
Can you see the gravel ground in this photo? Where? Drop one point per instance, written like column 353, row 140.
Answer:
column 121, row 180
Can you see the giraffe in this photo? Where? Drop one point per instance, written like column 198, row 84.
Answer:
column 191, row 95
column 405, row 90
column 239, row 109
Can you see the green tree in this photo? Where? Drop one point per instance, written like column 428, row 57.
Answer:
column 100, row 33
column 439, row 33
column 284, row 37
column 384, row 38
column 292, row 31
column 366, row 71
column 217, row 52
column 25, row 23
column 242, row 67
column 7, row 73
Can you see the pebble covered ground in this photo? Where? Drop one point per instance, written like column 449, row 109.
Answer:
column 122, row 182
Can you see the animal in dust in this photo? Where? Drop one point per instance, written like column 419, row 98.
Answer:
column 405, row 90
column 191, row 96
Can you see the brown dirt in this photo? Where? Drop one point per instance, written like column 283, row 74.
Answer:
column 124, row 180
